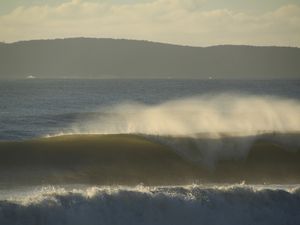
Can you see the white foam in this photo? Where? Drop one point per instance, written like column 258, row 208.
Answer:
column 194, row 204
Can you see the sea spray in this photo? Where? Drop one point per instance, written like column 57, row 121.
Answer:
column 205, row 128
column 227, row 113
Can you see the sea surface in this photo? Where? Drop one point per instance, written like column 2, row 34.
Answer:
column 149, row 152
column 34, row 108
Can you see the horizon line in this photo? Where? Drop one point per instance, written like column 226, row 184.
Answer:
column 143, row 40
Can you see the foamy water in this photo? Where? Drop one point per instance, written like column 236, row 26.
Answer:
column 193, row 204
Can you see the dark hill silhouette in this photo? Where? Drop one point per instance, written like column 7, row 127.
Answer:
column 110, row 58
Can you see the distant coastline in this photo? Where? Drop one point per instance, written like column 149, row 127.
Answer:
column 124, row 59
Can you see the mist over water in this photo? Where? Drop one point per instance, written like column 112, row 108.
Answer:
column 204, row 128
column 212, row 114
column 36, row 107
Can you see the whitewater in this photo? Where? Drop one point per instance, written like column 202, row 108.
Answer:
column 194, row 204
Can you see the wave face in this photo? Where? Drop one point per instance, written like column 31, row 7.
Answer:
column 132, row 159
column 160, row 205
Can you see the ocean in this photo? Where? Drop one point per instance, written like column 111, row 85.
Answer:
column 149, row 151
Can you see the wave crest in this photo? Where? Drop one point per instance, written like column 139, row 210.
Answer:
column 211, row 128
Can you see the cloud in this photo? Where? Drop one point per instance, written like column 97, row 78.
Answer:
column 175, row 21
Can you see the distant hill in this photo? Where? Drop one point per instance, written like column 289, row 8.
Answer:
column 110, row 58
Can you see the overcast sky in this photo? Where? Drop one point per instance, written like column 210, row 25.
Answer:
column 187, row 22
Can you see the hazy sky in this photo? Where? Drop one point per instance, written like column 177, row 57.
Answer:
column 188, row 22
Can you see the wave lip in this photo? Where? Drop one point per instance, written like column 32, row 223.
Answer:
column 156, row 205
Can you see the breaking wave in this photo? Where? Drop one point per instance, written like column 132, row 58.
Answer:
column 229, row 137
column 206, row 128
column 155, row 205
